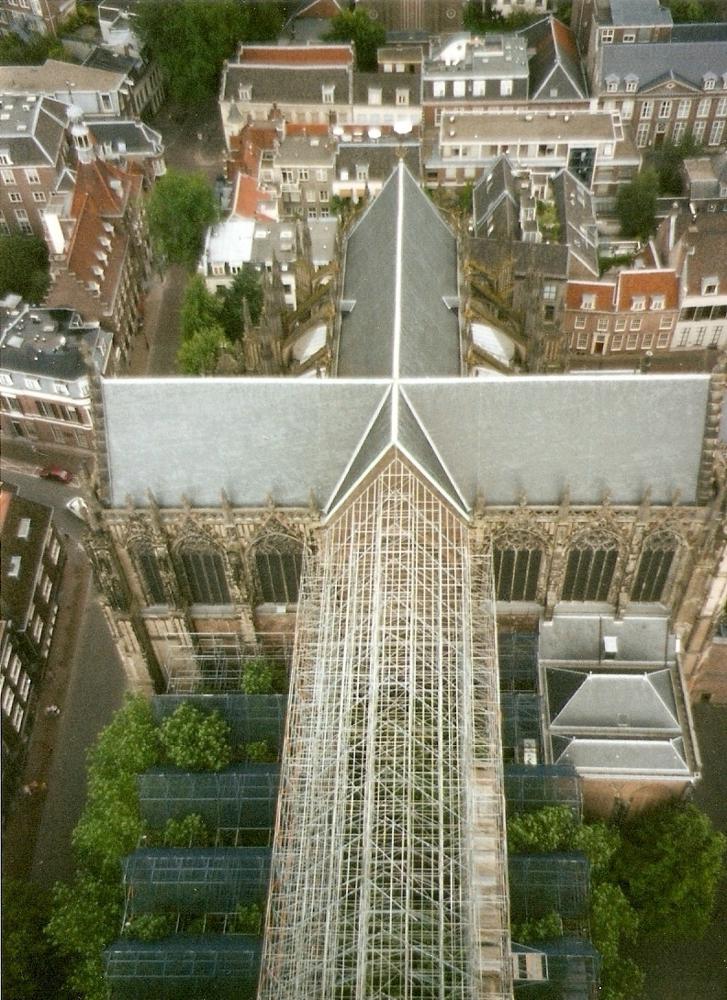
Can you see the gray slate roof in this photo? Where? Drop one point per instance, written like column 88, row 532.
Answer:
column 397, row 276
column 275, row 83
column 498, row 437
column 580, row 700
column 652, row 61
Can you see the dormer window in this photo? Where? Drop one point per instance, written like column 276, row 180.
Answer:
column 374, row 95
column 710, row 286
column 459, row 88
column 638, row 303
column 588, row 302
column 632, row 84
column 438, row 88
column 658, row 302
column 629, row 37
column 710, row 81
column 328, row 91
column 611, row 84
column 244, row 92
column 362, row 171
column 606, row 36
column 402, row 95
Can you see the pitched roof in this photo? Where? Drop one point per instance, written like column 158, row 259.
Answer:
column 301, row 85
column 401, row 261
column 653, row 61
column 32, row 130
column 296, row 56
column 642, row 282
column 25, row 549
column 554, row 61
column 51, row 76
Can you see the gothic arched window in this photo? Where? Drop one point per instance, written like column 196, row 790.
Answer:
column 277, row 562
column 657, row 556
column 589, row 571
column 517, row 558
column 204, row 569
column 147, row 566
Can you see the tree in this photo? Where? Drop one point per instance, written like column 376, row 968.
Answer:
column 190, row 39
column 246, row 285
column 356, row 26
column 543, row 929
column 31, row 968
column 247, row 919
column 149, row 926
column 555, row 828
column 24, row 267
column 200, row 308
column 693, row 10
column 670, row 865
column 33, row 52
column 636, row 205
column 261, row 752
column 667, row 160
column 614, row 923
column 258, row 676
column 180, row 209
column 196, row 740
column 189, row 831
column 200, row 353
column 86, row 917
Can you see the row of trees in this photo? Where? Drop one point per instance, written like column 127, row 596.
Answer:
column 655, row 877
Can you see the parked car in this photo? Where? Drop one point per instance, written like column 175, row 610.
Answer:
column 56, row 473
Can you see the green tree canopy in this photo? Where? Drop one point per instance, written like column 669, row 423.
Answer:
column 196, row 740
column 180, row 209
column 24, row 267
column 246, row 285
column 189, row 831
column 200, row 307
column 33, row 52
column 31, row 968
column 614, row 924
column 190, row 39
column 200, row 353
column 555, row 828
column 667, row 160
column 636, row 205
column 356, row 26
column 670, row 865
column 692, row 10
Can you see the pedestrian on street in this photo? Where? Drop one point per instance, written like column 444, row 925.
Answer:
column 52, row 710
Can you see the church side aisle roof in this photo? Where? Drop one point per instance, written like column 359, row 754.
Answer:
column 501, row 438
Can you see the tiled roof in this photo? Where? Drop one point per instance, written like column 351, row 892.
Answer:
column 51, row 77
column 652, row 61
column 33, row 133
column 295, row 56
column 279, row 84
column 638, row 282
column 388, row 84
column 379, row 157
column 604, row 294
column 249, row 199
column 555, row 53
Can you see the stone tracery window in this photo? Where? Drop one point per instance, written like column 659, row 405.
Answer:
column 277, row 560
column 204, row 570
column 589, row 571
column 657, row 557
column 517, row 558
column 147, row 566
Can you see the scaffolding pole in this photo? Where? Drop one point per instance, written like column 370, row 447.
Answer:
column 388, row 873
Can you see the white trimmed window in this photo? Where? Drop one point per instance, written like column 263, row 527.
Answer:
column 710, row 82
column 701, row 334
column 588, row 301
column 582, row 342
column 662, row 340
column 39, row 196
column 602, row 324
column 716, row 133
column 375, row 95
column 710, row 285
column 459, row 88
column 8, row 176
column 683, row 108
column 505, row 88
column 328, row 92
column 642, row 134
column 647, row 341
column 611, row 84
column 438, row 88
column 703, row 107
column 627, row 109
column 721, row 109
column 620, row 324
column 616, row 342
column 677, row 133
column 402, row 95
column 629, row 37
column 658, row 301
column 665, row 323
column 665, row 109
column 606, row 36
column 638, row 303
column 698, row 130
column 632, row 85
column 635, row 324
column 478, row 88
column 32, row 176
column 631, row 341
column 647, row 109
column 15, row 198
column 580, row 322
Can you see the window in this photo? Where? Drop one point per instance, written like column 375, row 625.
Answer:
column 303, row 174
column 703, row 107
column 602, row 325
column 8, row 176
column 632, row 341
column 642, row 135
column 684, row 336
column 710, row 285
column 505, row 88
column 588, row 302
column 647, row 109
column 627, row 109
column 150, row 575
column 698, row 131
column 616, row 342
column 647, row 341
column 459, row 88
column 106, row 102
column 278, row 562
column 362, row 171
column 374, row 95
column 612, row 84
column 721, row 109
column 517, row 560
column 590, row 568
column 244, row 92
column 629, row 37
column 678, row 131
column 658, row 301
column 582, row 342
column 638, row 303
column 402, row 96
column 438, row 88
column 620, row 324
column 5, row 160
column 549, row 292
column 716, row 133
column 32, row 176
column 665, row 323
column 662, row 340
column 14, row 671
column 15, row 198
column 18, row 717
column 709, row 82
column 32, row 383
column 701, row 334
column 580, row 323
column 8, row 700
column 717, row 334
column 652, row 574
column 632, row 84
column 328, row 91
column 478, row 88
column 683, row 108
column 205, row 574
column 665, row 109
column 39, row 196
column 606, row 36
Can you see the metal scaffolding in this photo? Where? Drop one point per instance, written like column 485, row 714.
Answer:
column 389, row 871
column 214, row 662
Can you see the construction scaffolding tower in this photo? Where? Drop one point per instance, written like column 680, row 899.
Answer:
column 528, row 787
column 214, row 662
column 389, row 868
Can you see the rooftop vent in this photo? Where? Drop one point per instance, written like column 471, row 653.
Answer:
column 610, row 647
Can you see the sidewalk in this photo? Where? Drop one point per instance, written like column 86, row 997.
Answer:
column 26, row 812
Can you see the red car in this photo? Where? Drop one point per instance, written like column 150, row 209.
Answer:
column 56, row 473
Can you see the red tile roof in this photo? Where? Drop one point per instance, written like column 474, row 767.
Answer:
column 577, row 289
column 639, row 282
column 249, row 199
column 296, row 55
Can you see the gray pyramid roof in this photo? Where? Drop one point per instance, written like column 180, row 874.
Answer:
column 594, row 701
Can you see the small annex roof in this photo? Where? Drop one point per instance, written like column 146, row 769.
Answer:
column 580, row 700
column 622, row 756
